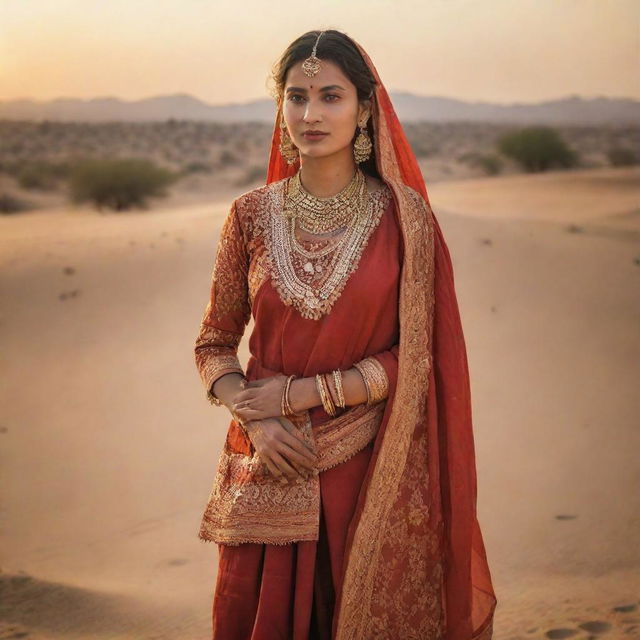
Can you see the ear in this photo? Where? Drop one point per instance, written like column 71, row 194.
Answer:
column 364, row 110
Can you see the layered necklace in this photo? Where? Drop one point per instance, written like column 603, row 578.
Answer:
column 312, row 278
column 322, row 215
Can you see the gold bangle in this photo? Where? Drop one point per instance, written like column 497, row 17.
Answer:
column 337, row 380
column 320, row 385
column 375, row 379
column 286, row 408
column 321, row 391
column 328, row 391
column 331, row 402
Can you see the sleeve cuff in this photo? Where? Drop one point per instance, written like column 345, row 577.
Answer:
column 216, row 368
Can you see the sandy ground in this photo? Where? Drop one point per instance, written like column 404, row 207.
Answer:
column 109, row 446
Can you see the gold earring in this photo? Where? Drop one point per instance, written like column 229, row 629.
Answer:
column 362, row 146
column 288, row 151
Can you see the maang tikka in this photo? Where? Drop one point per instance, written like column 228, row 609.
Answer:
column 311, row 65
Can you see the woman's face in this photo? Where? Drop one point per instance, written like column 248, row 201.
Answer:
column 326, row 102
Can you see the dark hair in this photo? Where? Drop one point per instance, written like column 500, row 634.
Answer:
column 340, row 49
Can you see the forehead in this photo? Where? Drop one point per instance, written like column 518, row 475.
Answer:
column 330, row 73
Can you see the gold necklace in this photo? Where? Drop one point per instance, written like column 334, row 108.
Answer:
column 321, row 215
column 331, row 243
column 312, row 281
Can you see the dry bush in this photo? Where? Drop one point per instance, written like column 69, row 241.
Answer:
column 118, row 183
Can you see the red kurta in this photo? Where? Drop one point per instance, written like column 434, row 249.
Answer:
column 269, row 591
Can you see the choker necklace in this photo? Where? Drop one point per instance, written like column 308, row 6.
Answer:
column 322, row 215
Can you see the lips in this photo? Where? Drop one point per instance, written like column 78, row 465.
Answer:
column 314, row 135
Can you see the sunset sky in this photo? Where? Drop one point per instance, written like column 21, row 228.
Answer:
column 221, row 51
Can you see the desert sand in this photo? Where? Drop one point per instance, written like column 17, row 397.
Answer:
column 110, row 447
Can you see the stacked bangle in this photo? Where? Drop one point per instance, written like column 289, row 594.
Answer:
column 325, row 395
column 375, row 379
column 337, row 381
column 285, row 404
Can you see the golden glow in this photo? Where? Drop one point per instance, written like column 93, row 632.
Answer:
column 222, row 51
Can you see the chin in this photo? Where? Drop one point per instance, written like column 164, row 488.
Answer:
column 320, row 153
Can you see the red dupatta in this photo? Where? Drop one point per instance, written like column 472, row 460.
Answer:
column 415, row 562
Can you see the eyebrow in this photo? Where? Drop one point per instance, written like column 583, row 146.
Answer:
column 327, row 88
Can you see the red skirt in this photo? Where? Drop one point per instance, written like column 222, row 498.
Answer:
column 288, row 592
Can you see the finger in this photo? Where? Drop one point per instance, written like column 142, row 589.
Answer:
column 244, row 405
column 252, row 414
column 245, row 394
column 287, row 424
column 256, row 383
column 301, row 463
column 307, row 445
column 294, row 458
column 289, row 471
column 273, row 469
column 296, row 433
column 299, row 446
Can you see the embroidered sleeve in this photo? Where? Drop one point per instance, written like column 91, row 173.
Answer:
column 379, row 372
column 228, row 310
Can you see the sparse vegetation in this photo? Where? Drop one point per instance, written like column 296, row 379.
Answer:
column 41, row 175
column 229, row 158
column 252, row 174
column 40, row 155
column 118, row 183
column 537, row 149
column 10, row 204
column 197, row 167
column 622, row 156
column 490, row 163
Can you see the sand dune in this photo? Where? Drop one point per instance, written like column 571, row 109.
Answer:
column 571, row 196
column 109, row 446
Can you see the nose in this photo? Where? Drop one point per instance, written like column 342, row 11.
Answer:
column 311, row 112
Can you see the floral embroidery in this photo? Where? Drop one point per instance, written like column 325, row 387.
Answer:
column 396, row 552
column 229, row 278
column 258, row 273
column 228, row 311
column 247, row 504
column 215, row 355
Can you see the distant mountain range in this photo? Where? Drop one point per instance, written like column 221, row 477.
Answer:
column 409, row 107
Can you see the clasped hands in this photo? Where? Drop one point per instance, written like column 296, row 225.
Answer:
column 277, row 441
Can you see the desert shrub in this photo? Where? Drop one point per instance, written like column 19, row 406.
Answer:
column 537, row 149
column 490, row 163
column 622, row 156
column 41, row 175
column 423, row 148
column 251, row 175
column 118, row 183
column 228, row 158
column 10, row 204
column 197, row 166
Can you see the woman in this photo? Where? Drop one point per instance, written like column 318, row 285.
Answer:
column 344, row 504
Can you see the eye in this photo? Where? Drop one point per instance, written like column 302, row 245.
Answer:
column 294, row 96
column 332, row 95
